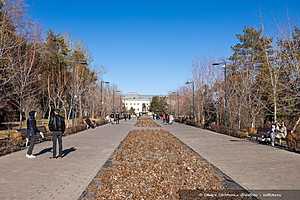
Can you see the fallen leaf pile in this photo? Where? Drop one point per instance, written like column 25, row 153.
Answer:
column 153, row 164
column 146, row 122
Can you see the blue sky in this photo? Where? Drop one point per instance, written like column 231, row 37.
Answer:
column 148, row 46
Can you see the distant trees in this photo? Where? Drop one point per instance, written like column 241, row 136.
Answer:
column 45, row 74
column 262, row 83
column 132, row 111
column 159, row 105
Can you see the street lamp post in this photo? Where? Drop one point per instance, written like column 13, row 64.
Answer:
column 113, row 108
column 101, row 95
column 170, row 102
column 193, row 88
column 177, row 101
column 177, row 95
column 114, row 92
column 120, row 103
column 224, row 63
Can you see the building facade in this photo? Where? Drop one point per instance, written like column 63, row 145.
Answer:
column 139, row 103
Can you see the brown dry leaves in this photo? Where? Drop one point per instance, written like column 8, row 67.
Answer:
column 146, row 122
column 153, row 164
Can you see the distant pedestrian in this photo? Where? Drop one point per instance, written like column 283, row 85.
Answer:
column 164, row 118
column 125, row 116
column 273, row 134
column 108, row 119
column 129, row 116
column 112, row 118
column 171, row 119
column 57, row 127
column 32, row 133
column 118, row 118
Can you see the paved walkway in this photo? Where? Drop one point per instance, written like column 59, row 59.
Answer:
column 61, row 179
column 253, row 166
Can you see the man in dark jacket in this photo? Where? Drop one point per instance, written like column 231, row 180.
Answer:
column 118, row 118
column 57, row 127
column 32, row 132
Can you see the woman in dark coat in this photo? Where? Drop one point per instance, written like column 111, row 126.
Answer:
column 32, row 132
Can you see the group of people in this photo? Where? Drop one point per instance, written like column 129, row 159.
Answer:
column 127, row 116
column 278, row 131
column 56, row 126
column 114, row 118
column 166, row 118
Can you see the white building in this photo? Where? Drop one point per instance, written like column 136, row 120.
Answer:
column 140, row 103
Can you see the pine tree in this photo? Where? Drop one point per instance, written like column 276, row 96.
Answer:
column 249, row 72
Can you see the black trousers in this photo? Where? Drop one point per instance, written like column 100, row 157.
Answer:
column 31, row 144
column 57, row 137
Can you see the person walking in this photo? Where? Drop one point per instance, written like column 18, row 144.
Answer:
column 57, row 127
column 32, row 133
column 273, row 134
column 171, row 119
column 164, row 118
column 118, row 118
column 112, row 118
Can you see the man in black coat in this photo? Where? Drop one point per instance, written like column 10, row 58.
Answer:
column 57, row 127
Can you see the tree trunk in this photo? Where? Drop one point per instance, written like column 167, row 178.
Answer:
column 273, row 78
column 202, row 112
column 275, row 102
column 66, row 115
column 93, row 110
column 20, row 114
column 239, row 116
column 70, row 112
column 49, row 96
column 50, row 110
column 253, row 122
column 21, row 119
column 80, row 107
column 295, row 126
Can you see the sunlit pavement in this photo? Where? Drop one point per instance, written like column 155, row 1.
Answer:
column 62, row 179
column 254, row 166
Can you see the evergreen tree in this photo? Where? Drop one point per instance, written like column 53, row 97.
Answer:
column 249, row 73
column 159, row 105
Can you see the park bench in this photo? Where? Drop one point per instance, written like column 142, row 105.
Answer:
column 89, row 123
column 262, row 135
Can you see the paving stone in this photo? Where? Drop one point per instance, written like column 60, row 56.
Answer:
column 44, row 179
column 253, row 166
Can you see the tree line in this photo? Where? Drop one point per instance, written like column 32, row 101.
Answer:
column 43, row 74
column 258, row 84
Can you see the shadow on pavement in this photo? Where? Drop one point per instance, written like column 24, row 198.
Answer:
column 67, row 151
column 49, row 149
